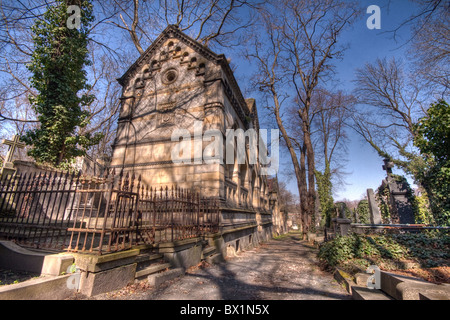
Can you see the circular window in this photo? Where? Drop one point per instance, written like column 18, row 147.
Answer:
column 169, row 76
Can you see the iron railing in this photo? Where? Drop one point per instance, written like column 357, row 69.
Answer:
column 99, row 215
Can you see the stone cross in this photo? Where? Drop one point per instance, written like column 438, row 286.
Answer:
column 13, row 144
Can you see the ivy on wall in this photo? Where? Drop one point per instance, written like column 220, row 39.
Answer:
column 382, row 196
column 419, row 204
column 363, row 211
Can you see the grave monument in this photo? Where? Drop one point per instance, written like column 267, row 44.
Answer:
column 179, row 85
column 8, row 166
column 399, row 196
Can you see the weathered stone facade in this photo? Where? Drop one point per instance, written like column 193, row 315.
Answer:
column 178, row 84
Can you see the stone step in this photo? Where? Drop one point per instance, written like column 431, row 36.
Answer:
column 151, row 270
column 144, row 257
column 208, row 251
column 364, row 293
column 159, row 278
column 148, row 259
column 402, row 287
column 215, row 258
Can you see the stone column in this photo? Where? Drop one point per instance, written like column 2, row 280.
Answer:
column 375, row 215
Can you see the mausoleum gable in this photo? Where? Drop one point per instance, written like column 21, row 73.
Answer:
column 152, row 59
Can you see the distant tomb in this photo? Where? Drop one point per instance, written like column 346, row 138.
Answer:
column 375, row 215
column 8, row 166
column 399, row 196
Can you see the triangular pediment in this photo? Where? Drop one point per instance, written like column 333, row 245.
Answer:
column 174, row 55
column 161, row 50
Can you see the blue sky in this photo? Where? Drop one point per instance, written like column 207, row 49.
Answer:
column 364, row 166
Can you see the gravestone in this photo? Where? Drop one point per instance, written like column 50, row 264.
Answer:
column 341, row 223
column 375, row 215
column 8, row 166
column 88, row 166
column 401, row 208
column 356, row 215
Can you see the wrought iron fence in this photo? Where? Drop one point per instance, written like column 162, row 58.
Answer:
column 99, row 215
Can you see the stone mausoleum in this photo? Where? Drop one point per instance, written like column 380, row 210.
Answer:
column 179, row 84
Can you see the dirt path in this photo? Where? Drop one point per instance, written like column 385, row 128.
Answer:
column 281, row 269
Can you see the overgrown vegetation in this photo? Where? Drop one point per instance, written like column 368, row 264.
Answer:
column 419, row 203
column 8, row 277
column 433, row 141
column 362, row 211
column 325, row 194
column 389, row 252
column 57, row 66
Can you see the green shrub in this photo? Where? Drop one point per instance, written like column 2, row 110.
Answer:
column 427, row 249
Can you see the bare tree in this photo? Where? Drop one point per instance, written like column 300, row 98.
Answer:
column 429, row 43
column 332, row 113
column 427, row 10
column 301, row 41
column 390, row 103
column 270, row 80
column 16, row 114
column 312, row 29
column 431, row 46
column 212, row 22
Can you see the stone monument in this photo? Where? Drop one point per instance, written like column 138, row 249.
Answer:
column 179, row 100
column 8, row 166
column 342, row 225
column 375, row 215
column 399, row 196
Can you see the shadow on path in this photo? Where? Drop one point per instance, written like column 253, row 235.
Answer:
column 280, row 269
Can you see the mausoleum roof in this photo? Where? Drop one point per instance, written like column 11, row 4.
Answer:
column 173, row 31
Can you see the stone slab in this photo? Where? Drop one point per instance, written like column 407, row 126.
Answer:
column 15, row 257
column 408, row 288
column 97, row 263
column 208, row 252
column 93, row 283
column 361, row 278
column 364, row 293
column 42, row 288
column 215, row 258
column 152, row 269
column 433, row 296
column 159, row 278
column 188, row 257
column 57, row 264
column 169, row 247
column 344, row 279
column 375, row 215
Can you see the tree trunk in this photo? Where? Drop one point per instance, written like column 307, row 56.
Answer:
column 299, row 170
column 311, row 192
column 61, row 154
column 303, row 192
column 311, row 179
